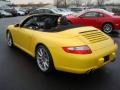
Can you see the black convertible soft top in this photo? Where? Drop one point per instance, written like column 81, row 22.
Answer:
column 62, row 28
column 49, row 23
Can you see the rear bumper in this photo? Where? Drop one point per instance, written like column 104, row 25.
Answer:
column 84, row 63
column 80, row 70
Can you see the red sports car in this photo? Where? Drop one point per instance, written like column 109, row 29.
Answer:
column 99, row 18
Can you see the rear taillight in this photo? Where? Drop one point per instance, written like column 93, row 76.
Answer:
column 78, row 49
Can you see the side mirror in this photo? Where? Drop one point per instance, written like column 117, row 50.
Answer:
column 80, row 16
column 17, row 25
column 100, row 15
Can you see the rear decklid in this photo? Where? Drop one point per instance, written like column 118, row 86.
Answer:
column 91, row 36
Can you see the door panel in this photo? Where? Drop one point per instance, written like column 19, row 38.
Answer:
column 81, row 21
column 24, row 33
column 23, row 37
column 91, row 19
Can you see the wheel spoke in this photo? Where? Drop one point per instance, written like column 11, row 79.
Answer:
column 39, row 57
column 46, row 59
column 40, row 52
column 45, row 65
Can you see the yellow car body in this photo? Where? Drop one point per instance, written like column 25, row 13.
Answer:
column 100, row 44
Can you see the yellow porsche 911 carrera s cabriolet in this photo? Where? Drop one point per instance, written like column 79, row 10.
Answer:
column 61, row 46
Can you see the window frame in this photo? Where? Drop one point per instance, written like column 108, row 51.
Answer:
column 26, row 20
column 83, row 15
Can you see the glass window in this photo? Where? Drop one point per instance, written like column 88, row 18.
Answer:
column 91, row 14
column 30, row 23
column 34, row 12
column 41, row 11
column 48, row 11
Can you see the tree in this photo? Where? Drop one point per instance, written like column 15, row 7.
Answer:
column 60, row 3
column 100, row 2
column 77, row 3
column 88, row 2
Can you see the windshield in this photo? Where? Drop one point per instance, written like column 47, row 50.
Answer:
column 56, row 10
column 62, row 10
column 80, row 13
column 68, row 10
column 76, row 9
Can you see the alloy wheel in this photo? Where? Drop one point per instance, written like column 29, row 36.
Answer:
column 107, row 28
column 43, row 59
column 9, row 39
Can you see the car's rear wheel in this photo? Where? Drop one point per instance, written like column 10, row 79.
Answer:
column 9, row 40
column 44, row 59
column 107, row 28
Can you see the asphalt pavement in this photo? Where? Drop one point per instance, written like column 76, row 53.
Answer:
column 18, row 71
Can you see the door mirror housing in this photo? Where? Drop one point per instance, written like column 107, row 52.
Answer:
column 80, row 16
column 17, row 25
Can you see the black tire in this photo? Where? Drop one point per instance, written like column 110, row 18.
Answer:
column 2, row 16
column 9, row 39
column 69, row 22
column 44, row 59
column 107, row 28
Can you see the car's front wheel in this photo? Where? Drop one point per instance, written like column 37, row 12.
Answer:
column 44, row 59
column 107, row 28
column 9, row 39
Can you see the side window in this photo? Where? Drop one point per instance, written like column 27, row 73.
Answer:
column 30, row 23
column 101, row 15
column 48, row 11
column 41, row 11
column 34, row 12
column 91, row 14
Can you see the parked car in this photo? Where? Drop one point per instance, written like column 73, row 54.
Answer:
column 48, row 11
column 28, row 11
column 0, row 15
column 12, row 11
column 21, row 13
column 77, row 9
column 24, row 10
column 5, row 14
column 67, row 11
column 67, row 48
column 99, row 18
